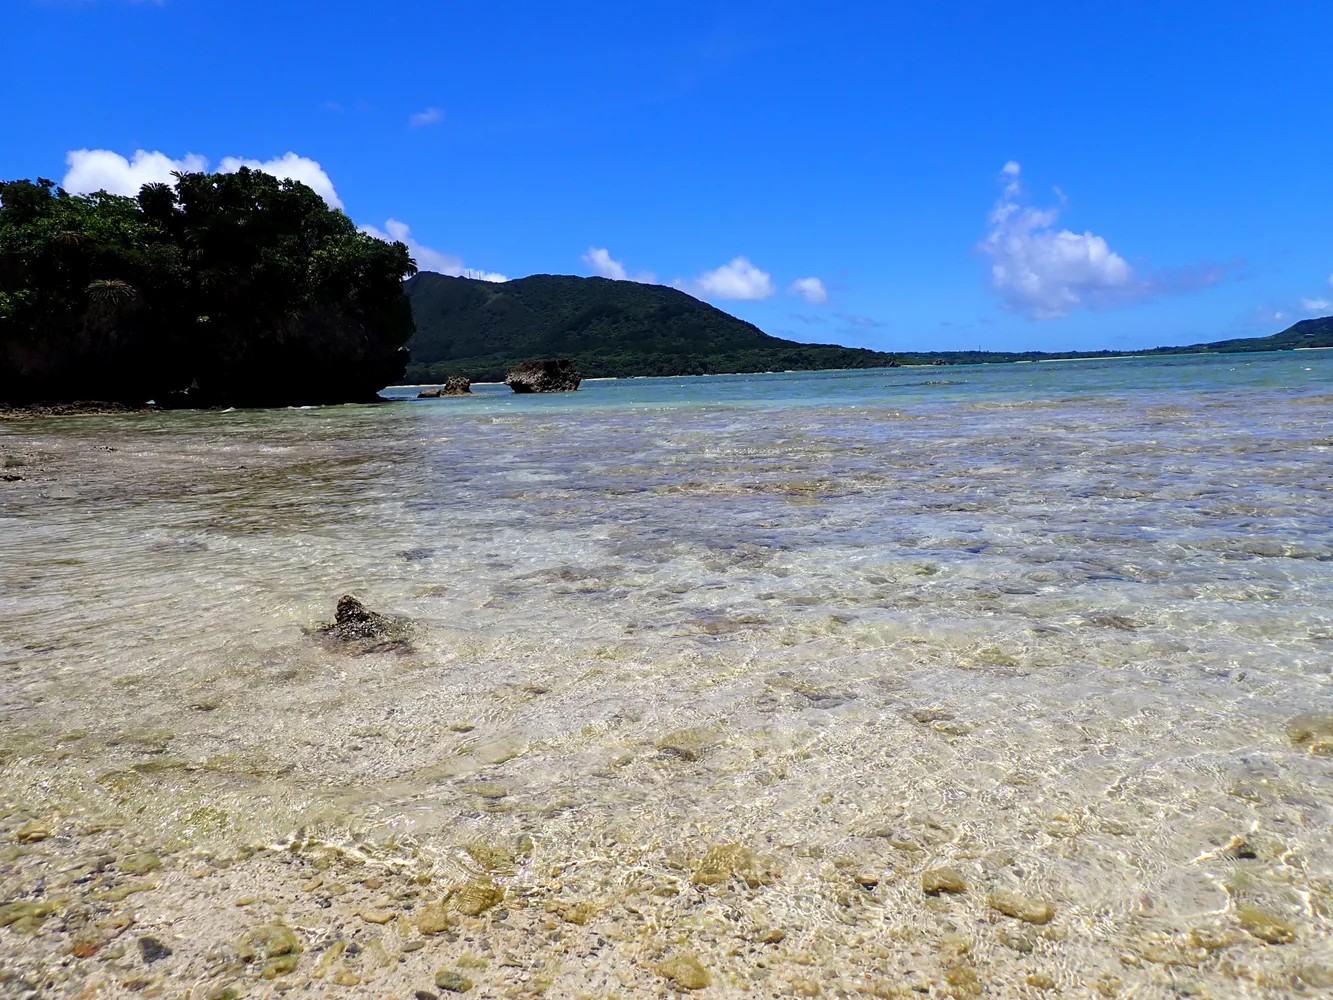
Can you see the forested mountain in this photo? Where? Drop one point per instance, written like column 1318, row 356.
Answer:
column 480, row 328
column 622, row 328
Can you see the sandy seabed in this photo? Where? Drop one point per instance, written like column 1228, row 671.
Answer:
column 1023, row 699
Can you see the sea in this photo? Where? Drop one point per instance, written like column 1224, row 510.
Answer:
column 719, row 657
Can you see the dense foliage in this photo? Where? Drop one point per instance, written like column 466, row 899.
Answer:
column 224, row 288
column 620, row 328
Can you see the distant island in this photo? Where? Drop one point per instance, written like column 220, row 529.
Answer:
column 234, row 289
column 481, row 329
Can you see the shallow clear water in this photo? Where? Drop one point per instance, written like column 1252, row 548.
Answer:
column 1046, row 623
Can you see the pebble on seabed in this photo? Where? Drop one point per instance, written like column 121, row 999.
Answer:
column 937, row 880
column 1020, row 907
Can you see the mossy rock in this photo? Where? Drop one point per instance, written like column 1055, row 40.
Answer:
column 686, row 971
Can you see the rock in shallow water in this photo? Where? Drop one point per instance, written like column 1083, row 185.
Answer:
column 153, row 950
column 937, row 880
column 1020, row 907
column 1267, row 927
column 544, row 376
column 1312, row 731
column 685, row 971
column 447, row 979
column 365, row 630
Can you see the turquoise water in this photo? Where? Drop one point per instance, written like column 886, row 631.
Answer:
column 1048, row 624
column 1280, row 372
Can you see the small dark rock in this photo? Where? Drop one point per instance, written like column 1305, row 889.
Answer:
column 425, row 995
column 429, row 393
column 153, row 949
column 544, row 376
column 368, row 631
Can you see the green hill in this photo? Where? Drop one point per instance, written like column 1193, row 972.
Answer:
column 622, row 328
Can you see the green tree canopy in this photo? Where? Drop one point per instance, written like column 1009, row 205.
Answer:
column 224, row 288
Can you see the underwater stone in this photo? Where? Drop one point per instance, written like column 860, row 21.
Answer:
column 447, row 979
column 279, row 965
column 1314, row 731
column 937, row 880
column 1020, row 907
column 475, row 898
column 434, row 919
column 1267, row 927
column 32, row 832
column 142, row 863
column 354, row 623
column 271, row 940
column 722, row 862
column 685, row 971
column 687, row 744
column 153, row 950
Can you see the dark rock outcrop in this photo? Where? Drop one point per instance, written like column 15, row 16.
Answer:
column 366, row 631
column 544, row 376
column 454, row 385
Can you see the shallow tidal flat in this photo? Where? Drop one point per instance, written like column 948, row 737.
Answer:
column 797, row 687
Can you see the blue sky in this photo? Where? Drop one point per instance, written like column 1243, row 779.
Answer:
column 1011, row 176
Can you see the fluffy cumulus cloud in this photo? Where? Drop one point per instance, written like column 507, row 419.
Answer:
column 738, row 279
column 92, row 170
column 431, row 116
column 1045, row 272
column 811, row 289
column 428, row 258
column 289, row 166
column 600, row 261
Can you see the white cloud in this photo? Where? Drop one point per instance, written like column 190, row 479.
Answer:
column 602, row 263
column 427, row 258
column 811, row 289
column 606, row 266
column 431, row 116
column 1319, row 304
column 103, row 170
column 289, row 166
column 738, row 279
column 1044, row 272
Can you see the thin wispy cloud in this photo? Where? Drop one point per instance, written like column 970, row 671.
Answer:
column 428, row 258
column 863, row 322
column 431, row 116
column 1319, row 303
